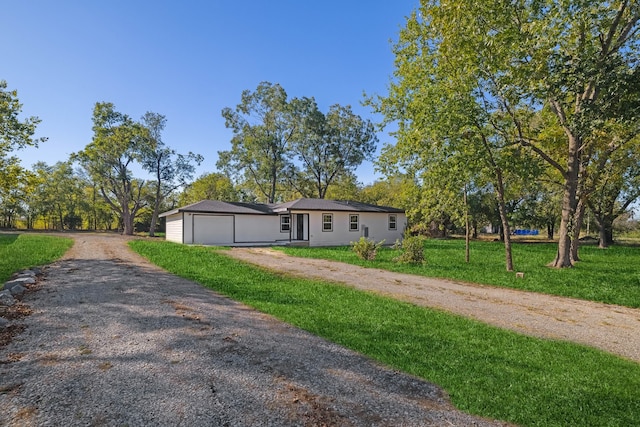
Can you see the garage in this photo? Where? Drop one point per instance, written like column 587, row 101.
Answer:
column 212, row 229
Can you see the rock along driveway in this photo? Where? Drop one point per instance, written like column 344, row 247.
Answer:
column 115, row 341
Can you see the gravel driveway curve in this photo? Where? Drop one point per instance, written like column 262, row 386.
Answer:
column 611, row 328
column 115, row 341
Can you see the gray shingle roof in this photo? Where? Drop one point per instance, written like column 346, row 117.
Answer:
column 333, row 205
column 215, row 206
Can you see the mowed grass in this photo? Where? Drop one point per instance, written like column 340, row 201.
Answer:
column 486, row 370
column 21, row 251
column 610, row 275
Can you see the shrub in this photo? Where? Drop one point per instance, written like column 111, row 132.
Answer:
column 412, row 250
column 366, row 249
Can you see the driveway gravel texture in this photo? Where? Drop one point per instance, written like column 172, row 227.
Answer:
column 115, row 341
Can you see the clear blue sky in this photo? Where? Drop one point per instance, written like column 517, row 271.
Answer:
column 188, row 60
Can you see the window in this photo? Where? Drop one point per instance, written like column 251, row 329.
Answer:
column 285, row 223
column 393, row 222
column 353, row 223
column 327, row 222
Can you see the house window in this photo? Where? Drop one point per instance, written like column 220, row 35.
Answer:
column 285, row 223
column 393, row 222
column 327, row 222
column 353, row 223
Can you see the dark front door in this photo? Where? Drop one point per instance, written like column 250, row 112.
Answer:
column 299, row 226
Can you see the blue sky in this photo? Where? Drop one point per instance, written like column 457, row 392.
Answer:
column 188, row 60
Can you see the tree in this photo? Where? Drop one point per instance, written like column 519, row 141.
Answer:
column 14, row 133
column 452, row 133
column 328, row 146
column 170, row 169
column 617, row 187
column 211, row 186
column 11, row 191
column 117, row 143
column 577, row 59
column 345, row 187
column 59, row 195
column 262, row 128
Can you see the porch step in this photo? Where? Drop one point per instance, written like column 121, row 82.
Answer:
column 300, row 243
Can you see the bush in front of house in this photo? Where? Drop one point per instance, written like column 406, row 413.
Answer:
column 411, row 250
column 366, row 248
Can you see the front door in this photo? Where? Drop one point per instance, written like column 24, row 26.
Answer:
column 299, row 226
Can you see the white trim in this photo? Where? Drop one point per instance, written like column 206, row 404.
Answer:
column 330, row 215
column 357, row 222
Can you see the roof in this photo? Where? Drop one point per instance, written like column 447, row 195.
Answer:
column 333, row 205
column 215, row 206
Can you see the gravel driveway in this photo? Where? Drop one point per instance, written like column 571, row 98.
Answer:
column 608, row 327
column 115, row 341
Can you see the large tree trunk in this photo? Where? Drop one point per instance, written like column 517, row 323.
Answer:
column 127, row 223
column 605, row 231
column 569, row 204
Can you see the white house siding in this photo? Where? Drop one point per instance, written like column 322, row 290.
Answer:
column 258, row 229
column 212, row 229
column 377, row 223
column 174, row 228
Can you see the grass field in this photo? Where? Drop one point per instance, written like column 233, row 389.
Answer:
column 486, row 370
column 20, row 251
column 610, row 275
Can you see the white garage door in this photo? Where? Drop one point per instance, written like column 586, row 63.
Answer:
column 213, row 229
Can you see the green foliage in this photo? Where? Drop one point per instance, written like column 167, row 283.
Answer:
column 21, row 251
column 211, row 186
column 281, row 145
column 14, row 133
column 609, row 276
column 329, row 146
column 262, row 128
column 481, row 89
column 366, row 248
column 485, row 370
column 58, row 195
column 411, row 250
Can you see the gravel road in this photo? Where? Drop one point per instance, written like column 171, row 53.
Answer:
column 115, row 341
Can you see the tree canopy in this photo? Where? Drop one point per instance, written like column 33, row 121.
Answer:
column 282, row 146
column 117, row 143
column 471, row 70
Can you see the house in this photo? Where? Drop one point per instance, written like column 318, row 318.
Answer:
column 312, row 222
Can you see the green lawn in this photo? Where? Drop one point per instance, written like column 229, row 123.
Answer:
column 20, row 251
column 486, row 370
column 611, row 275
